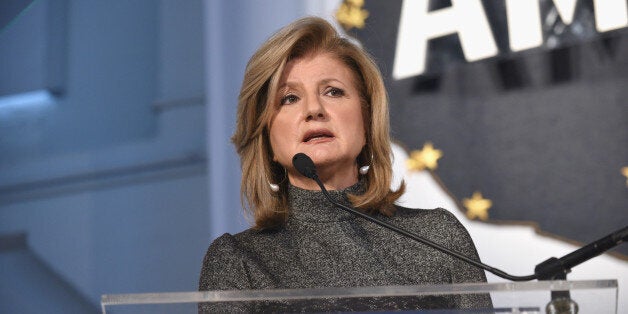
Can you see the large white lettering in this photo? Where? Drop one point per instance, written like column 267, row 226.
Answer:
column 417, row 26
column 524, row 24
column 610, row 14
column 524, row 19
column 468, row 19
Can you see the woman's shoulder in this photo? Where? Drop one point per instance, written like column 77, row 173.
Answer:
column 226, row 262
column 420, row 213
column 434, row 220
column 239, row 242
column 224, row 249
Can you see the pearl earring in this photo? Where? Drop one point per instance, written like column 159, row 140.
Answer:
column 364, row 169
column 275, row 187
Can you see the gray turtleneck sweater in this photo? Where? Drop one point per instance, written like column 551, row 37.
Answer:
column 322, row 246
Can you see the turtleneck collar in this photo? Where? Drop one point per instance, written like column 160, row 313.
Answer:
column 313, row 206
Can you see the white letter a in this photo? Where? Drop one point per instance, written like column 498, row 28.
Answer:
column 417, row 26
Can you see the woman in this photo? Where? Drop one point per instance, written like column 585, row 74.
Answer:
column 308, row 90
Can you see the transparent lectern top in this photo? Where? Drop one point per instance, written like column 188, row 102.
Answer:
column 591, row 296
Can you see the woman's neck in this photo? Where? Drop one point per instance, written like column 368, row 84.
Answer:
column 332, row 179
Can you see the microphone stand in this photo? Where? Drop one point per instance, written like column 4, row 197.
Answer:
column 558, row 268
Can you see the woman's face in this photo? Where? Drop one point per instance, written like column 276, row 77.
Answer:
column 318, row 112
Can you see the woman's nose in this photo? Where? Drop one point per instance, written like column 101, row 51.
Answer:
column 314, row 109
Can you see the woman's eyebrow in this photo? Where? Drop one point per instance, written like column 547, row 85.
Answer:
column 287, row 85
column 329, row 80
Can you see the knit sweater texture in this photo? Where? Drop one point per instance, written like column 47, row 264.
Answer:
column 323, row 246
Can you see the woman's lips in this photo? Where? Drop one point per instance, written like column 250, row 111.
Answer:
column 316, row 136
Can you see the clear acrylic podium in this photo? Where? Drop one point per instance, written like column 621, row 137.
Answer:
column 591, row 296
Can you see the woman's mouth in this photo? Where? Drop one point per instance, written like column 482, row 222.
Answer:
column 317, row 136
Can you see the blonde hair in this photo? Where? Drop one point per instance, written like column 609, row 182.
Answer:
column 255, row 109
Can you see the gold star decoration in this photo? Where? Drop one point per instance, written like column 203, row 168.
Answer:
column 477, row 206
column 624, row 171
column 350, row 14
column 425, row 158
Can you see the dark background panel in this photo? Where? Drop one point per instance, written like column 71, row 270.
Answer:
column 542, row 133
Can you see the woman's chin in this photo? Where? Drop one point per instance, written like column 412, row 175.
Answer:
column 320, row 152
column 323, row 159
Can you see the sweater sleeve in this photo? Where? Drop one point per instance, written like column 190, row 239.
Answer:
column 223, row 266
column 223, row 269
column 462, row 271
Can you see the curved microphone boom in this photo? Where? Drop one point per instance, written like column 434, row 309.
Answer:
column 552, row 268
column 304, row 164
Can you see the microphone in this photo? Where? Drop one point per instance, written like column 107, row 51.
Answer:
column 304, row 165
column 552, row 268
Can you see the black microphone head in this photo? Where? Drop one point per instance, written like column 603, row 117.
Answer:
column 304, row 165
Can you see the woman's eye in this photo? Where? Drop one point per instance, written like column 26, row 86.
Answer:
column 289, row 99
column 335, row 92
